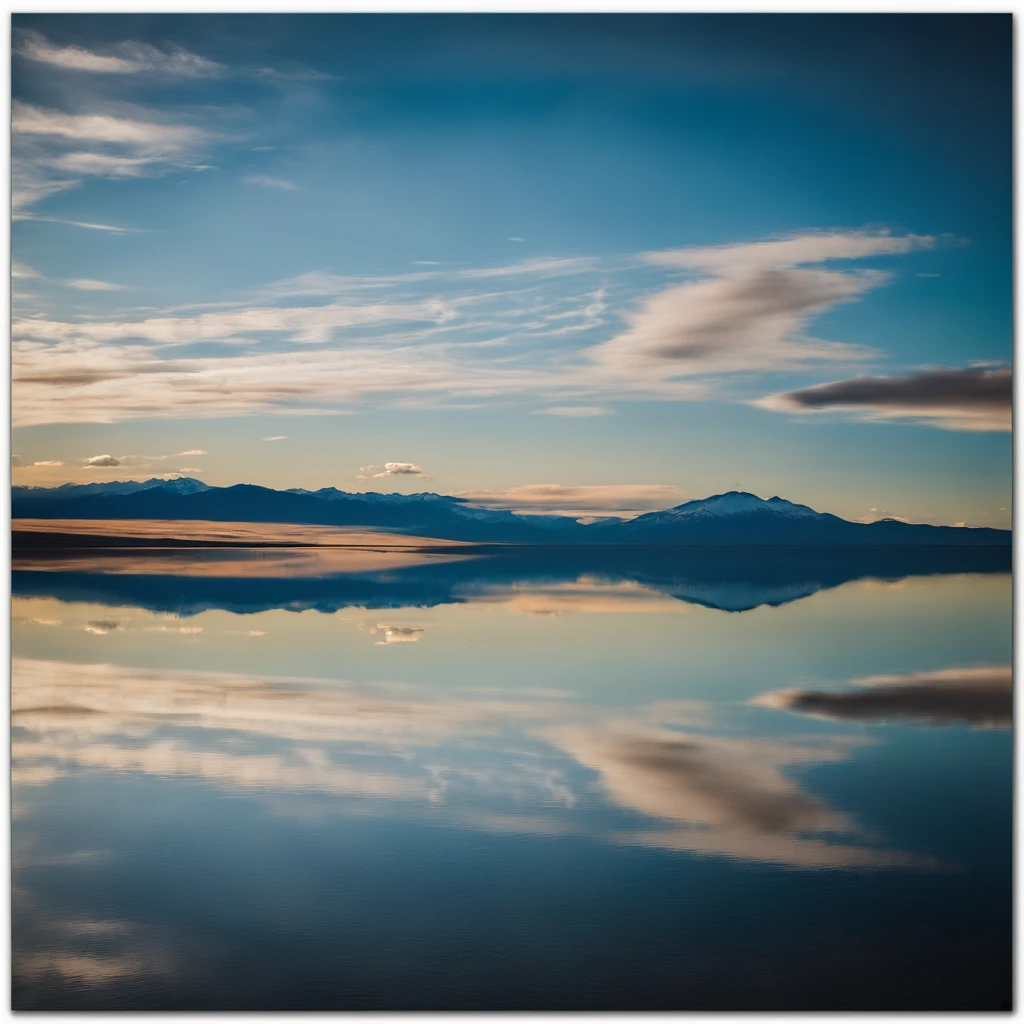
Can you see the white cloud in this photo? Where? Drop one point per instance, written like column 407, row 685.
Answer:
column 127, row 58
column 86, row 284
column 20, row 270
column 53, row 151
column 194, row 451
column 146, row 137
column 268, row 182
column 47, row 463
column 276, row 437
column 101, row 461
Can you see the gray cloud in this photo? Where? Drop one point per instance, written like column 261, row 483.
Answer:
column 100, row 461
column 978, row 696
column 975, row 398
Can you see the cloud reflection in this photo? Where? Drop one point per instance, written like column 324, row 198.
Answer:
column 975, row 696
column 730, row 796
column 485, row 759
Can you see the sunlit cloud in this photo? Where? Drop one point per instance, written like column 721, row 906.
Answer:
column 101, row 462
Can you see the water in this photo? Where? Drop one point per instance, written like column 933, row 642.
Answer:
column 745, row 780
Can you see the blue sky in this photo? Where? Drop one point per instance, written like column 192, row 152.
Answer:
column 631, row 259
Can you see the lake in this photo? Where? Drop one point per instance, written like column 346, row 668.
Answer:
column 717, row 779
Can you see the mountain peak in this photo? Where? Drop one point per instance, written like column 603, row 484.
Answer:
column 732, row 503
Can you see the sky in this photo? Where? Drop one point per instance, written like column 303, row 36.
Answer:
column 573, row 263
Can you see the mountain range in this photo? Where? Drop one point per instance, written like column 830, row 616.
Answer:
column 735, row 517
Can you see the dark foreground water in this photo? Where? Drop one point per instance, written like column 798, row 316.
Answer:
column 750, row 780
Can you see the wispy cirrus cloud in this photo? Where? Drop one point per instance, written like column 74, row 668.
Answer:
column 130, row 57
column 86, row 284
column 54, row 150
column 975, row 398
column 125, row 58
column 459, row 335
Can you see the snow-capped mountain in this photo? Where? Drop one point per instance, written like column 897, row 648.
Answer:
column 66, row 492
column 732, row 503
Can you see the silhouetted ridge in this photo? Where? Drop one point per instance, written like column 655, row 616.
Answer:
column 734, row 517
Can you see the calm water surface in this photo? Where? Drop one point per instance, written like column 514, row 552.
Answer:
column 494, row 785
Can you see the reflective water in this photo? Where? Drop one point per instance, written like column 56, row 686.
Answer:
column 748, row 780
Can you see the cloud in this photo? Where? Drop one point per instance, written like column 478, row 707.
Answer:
column 144, row 137
column 268, row 182
column 977, row 696
column 86, row 284
column 194, row 451
column 127, row 58
column 16, row 460
column 455, row 336
column 397, row 634
column 574, row 411
column 580, row 499
column 80, row 224
column 391, row 469
column 103, row 626
column 973, row 398
column 98, row 461
column 276, row 437
column 791, row 251
column 47, row 463
column 750, row 309
column 513, row 238
column 21, row 271
column 53, row 151
column 737, row 798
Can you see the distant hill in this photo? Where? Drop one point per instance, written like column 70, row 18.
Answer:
column 735, row 517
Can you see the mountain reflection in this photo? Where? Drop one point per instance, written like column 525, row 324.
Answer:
column 487, row 760
column 975, row 696
column 728, row 579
